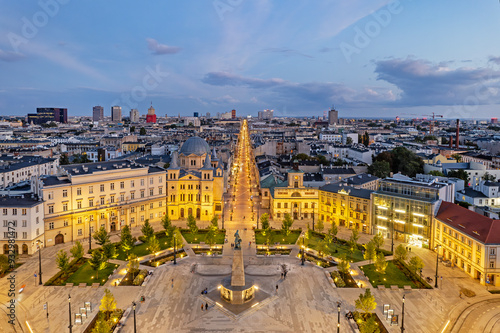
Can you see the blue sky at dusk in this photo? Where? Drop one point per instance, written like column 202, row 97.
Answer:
column 368, row 58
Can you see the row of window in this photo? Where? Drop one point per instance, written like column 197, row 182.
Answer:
column 13, row 223
column 295, row 205
column 8, row 235
column 24, row 211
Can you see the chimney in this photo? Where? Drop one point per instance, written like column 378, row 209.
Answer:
column 451, row 141
column 458, row 130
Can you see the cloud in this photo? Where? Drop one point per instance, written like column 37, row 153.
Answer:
column 160, row 49
column 423, row 83
column 286, row 51
column 10, row 56
column 496, row 60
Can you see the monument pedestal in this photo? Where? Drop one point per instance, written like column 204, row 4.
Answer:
column 236, row 290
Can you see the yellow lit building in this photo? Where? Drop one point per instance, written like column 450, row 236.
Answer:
column 470, row 241
column 195, row 182
column 345, row 206
column 85, row 197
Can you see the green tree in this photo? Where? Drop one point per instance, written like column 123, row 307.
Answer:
column 62, row 261
column 147, row 230
column 380, row 263
column 322, row 248
column 77, row 250
column 369, row 326
column 126, row 239
column 264, row 221
column 210, row 239
column 179, row 240
column 101, row 325
column 286, row 224
column 97, row 261
column 488, row 177
column 301, row 157
column 416, row 264
column 132, row 129
column 109, row 252
column 378, row 240
column 214, row 223
column 380, row 169
column 166, row 222
column 460, row 174
column 343, row 265
column 436, row 173
column 108, row 303
column 142, row 131
column 401, row 253
column 64, row 159
column 133, row 264
column 402, row 160
column 366, row 302
column 348, row 141
column 153, row 244
column 4, row 264
column 457, row 157
column 370, row 251
column 191, row 224
column 101, row 236
column 334, row 230
column 353, row 241
column 320, row 225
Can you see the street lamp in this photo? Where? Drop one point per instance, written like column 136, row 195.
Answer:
column 403, row 316
column 38, row 243
column 303, row 249
column 437, row 261
column 69, row 308
column 175, row 244
column 313, row 216
column 338, row 319
column 133, row 306
column 90, row 237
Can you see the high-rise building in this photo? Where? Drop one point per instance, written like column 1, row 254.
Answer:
column 97, row 113
column 196, row 114
column 233, row 114
column 151, row 116
column 333, row 117
column 494, row 120
column 265, row 115
column 44, row 115
column 208, row 115
column 134, row 116
column 116, row 114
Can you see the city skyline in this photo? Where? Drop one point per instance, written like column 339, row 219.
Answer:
column 392, row 58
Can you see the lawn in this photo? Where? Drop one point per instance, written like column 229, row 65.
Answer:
column 200, row 236
column 278, row 237
column 85, row 273
column 142, row 249
column 393, row 276
column 337, row 248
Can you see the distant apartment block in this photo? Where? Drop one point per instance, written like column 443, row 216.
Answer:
column 44, row 115
column 134, row 116
column 116, row 114
column 97, row 113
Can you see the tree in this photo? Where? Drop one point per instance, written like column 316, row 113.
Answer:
column 322, row 159
column 264, row 221
column 301, row 157
column 109, row 252
column 348, row 141
column 286, row 224
column 436, row 173
column 334, row 230
column 179, row 240
column 214, row 223
column 77, row 250
column 101, row 236
column 64, row 159
column 381, row 169
column 457, row 157
column 133, row 264
column 488, row 177
column 132, row 129
column 97, row 261
column 191, row 224
column 126, row 239
column 108, row 303
column 142, row 131
column 460, row 174
column 353, row 241
column 378, row 240
column 370, row 251
column 401, row 253
column 62, row 261
column 380, row 263
column 153, row 244
column 369, row 326
column 366, row 302
column 402, row 160
column 147, row 230
column 101, row 326
column 320, row 225
column 416, row 264
column 343, row 265
column 166, row 222
column 4, row 264
column 211, row 236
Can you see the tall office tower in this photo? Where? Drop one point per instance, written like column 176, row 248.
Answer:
column 494, row 120
column 97, row 113
column 260, row 115
column 44, row 115
column 233, row 114
column 116, row 114
column 151, row 116
column 196, row 114
column 333, row 117
column 134, row 116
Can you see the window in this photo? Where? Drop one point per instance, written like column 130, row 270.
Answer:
column 24, row 223
column 101, row 200
column 101, row 187
column 142, row 208
column 132, row 195
column 160, row 204
column 51, row 225
column 91, row 189
column 79, row 219
column 91, row 202
column 112, row 186
column 25, row 235
column 279, row 205
column 286, row 205
column 78, row 191
column 132, row 209
column 79, row 204
column 14, row 211
column 91, row 217
column 122, row 197
column 51, row 195
column 492, row 264
column 80, row 232
column 492, row 251
column 132, row 220
column 51, row 209
column 132, row 184
column 142, row 218
column 151, row 206
column 5, row 211
column 122, row 185
column 65, row 193
column 142, row 182
column 160, row 190
column 112, row 199
column 65, row 207
column 24, row 211
column 103, row 216
column 151, row 181
column 151, row 216
column 142, row 193
column 38, row 231
column 151, row 192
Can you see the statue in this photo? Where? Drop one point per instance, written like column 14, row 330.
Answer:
column 237, row 240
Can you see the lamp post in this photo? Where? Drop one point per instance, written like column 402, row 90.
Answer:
column 437, row 261
column 69, row 308
column 403, row 316
column 135, row 327
column 38, row 243
column 313, row 216
column 175, row 244
column 303, row 259
column 90, row 237
column 338, row 318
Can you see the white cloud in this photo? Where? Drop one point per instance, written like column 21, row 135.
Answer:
column 160, row 49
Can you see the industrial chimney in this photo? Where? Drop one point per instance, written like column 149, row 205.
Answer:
column 458, row 130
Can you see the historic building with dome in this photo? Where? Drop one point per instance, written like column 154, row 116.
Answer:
column 195, row 182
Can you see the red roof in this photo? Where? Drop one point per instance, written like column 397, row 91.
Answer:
column 477, row 226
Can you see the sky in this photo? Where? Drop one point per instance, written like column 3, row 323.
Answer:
column 367, row 58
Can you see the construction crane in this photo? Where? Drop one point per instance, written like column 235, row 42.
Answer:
column 432, row 122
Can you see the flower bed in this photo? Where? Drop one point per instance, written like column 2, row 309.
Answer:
column 60, row 279
column 208, row 252
column 360, row 317
column 283, row 252
column 318, row 261
column 160, row 260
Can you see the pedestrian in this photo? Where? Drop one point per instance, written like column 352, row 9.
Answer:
column 206, row 306
column 201, row 306
column 172, row 283
column 282, row 276
column 410, row 249
column 276, row 289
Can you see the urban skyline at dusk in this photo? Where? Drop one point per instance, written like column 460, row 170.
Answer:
column 367, row 59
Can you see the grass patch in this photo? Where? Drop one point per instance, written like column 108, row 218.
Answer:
column 201, row 235
column 160, row 260
column 394, row 276
column 85, row 273
column 16, row 266
column 277, row 237
column 60, row 279
column 142, row 249
column 283, row 252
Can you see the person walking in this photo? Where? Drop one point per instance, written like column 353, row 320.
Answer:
column 206, row 306
column 172, row 283
column 276, row 289
column 201, row 306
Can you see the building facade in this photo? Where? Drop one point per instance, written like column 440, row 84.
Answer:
column 346, row 206
column 43, row 115
column 134, row 116
column 85, row 197
column 97, row 113
column 195, row 182
column 116, row 114
column 151, row 116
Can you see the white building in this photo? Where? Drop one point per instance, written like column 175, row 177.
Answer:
column 134, row 116
column 16, row 169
